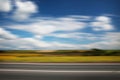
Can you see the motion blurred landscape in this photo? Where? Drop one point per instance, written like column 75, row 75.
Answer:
column 93, row 55
column 59, row 31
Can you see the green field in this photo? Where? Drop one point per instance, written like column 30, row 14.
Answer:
column 60, row 56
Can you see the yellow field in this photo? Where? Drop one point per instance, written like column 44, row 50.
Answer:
column 41, row 58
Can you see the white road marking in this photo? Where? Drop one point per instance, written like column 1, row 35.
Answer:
column 59, row 71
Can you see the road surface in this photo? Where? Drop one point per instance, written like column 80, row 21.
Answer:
column 59, row 71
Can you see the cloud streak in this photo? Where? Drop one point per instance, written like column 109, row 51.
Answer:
column 4, row 34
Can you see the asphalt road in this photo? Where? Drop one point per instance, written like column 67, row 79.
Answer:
column 59, row 71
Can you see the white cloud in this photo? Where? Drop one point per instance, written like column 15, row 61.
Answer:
column 32, row 43
column 38, row 36
column 24, row 9
column 71, row 25
column 5, row 5
column 36, row 28
column 80, row 17
column 109, row 40
column 76, row 35
column 102, row 23
column 4, row 34
column 103, row 19
column 112, row 36
column 104, row 45
column 76, row 17
column 23, row 43
column 99, row 26
column 45, row 27
column 66, row 27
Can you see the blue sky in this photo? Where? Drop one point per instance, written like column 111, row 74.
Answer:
column 59, row 24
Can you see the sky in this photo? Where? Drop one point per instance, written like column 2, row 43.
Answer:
column 59, row 24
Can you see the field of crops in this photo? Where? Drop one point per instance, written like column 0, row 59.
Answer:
column 57, row 56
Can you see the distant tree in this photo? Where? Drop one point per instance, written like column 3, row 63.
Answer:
column 2, row 51
column 95, row 49
column 96, row 52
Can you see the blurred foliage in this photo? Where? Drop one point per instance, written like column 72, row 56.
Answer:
column 93, row 55
column 92, row 52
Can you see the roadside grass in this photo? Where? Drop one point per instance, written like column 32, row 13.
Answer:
column 55, row 58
